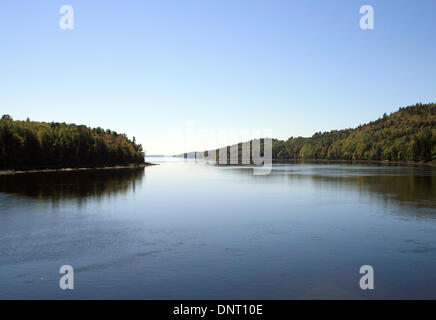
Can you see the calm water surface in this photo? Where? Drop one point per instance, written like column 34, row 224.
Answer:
column 183, row 230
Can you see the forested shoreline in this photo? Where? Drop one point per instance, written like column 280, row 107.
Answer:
column 32, row 144
column 407, row 135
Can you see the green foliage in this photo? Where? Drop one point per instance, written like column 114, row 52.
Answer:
column 6, row 117
column 406, row 135
column 31, row 143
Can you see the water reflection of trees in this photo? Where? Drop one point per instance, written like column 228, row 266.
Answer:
column 408, row 186
column 57, row 186
column 416, row 191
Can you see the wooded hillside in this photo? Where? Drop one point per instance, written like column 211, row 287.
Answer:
column 35, row 144
column 406, row 135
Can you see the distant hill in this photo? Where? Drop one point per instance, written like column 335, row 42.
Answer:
column 39, row 144
column 406, row 135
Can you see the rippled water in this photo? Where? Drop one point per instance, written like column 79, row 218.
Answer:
column 183, row 230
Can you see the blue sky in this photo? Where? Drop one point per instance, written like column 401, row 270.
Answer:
column 152, row 68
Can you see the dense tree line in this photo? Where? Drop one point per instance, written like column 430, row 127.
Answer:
column 406, row 135
column 35, row 144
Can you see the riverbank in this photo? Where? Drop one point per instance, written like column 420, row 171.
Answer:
column 71, row 169
column 378, row 162
column 328, row 161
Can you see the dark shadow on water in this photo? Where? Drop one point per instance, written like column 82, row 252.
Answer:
column 402, row 186
column 80, row 185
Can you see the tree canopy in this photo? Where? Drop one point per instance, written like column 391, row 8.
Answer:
column 406, row 135
column 31, row 144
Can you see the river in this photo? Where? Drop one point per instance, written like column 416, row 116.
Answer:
column 187, row 230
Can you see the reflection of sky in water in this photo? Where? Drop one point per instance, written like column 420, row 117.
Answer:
column 188, row 230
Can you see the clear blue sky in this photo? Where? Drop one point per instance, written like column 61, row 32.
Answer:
column 148, row 67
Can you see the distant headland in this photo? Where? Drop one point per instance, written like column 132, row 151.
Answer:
column 407, row 136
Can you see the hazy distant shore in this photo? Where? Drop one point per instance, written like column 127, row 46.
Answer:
column 69, row 169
